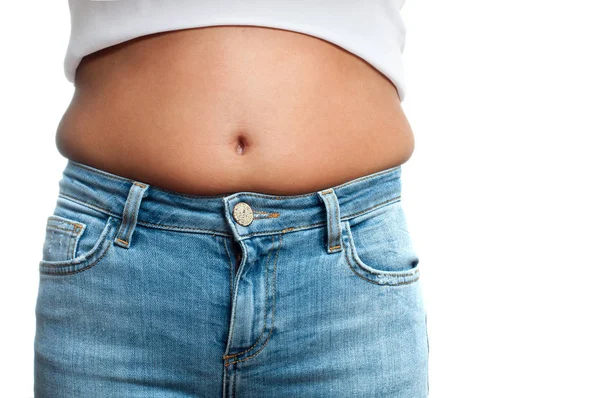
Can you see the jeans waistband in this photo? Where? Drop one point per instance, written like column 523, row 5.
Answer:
column 240, row 215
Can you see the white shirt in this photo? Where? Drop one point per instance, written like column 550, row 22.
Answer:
column 373, row 30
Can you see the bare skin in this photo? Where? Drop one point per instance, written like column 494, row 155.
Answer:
column 223, row 109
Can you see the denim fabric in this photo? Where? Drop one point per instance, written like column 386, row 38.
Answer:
column 146, row 292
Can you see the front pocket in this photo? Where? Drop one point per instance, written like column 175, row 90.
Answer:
column 378, row 247
column 77, row 238
column 62, row 236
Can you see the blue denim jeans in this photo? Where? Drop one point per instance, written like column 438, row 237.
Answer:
column 146, row 292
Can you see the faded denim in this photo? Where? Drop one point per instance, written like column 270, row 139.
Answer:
column 139, row 293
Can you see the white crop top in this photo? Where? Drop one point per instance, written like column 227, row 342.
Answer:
column 373, row 30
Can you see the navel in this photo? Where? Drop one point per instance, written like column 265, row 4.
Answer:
column 241, row 144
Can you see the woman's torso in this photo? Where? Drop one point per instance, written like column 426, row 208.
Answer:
column 224, row 109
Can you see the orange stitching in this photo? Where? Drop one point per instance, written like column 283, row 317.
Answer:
column 91, row 206
column 57, row 228
column 255, row 354
column 60, row 273
column 414, row 273
column 123, row 241
column 380, row 284
column 187, row 229
column 395, row 273
column 274, row 306
column 269, row 215
column 266, row 298
column 54, row 220
column 125, row 217
column 74, row 240
column 203, row 230
column 265, row 318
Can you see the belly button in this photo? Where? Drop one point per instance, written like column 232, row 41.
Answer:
column 241, row 145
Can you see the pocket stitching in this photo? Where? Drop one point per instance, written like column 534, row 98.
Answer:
column 93, row 255
column 371, row 274
column 69, row 228
column 63, row 220
column 59, row 272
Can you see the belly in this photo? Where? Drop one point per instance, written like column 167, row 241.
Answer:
column 224, row 109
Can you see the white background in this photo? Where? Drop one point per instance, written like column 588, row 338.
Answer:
column 501, row 193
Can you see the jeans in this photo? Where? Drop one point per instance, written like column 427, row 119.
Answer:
column 147, row 292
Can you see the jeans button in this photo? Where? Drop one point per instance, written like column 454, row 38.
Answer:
column 243, row 214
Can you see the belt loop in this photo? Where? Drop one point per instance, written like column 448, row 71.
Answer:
column 130, row 214
column 334, row 236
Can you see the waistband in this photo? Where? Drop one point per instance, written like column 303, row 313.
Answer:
column 240, row 215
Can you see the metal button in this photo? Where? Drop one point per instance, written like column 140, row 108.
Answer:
column 243, row 214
